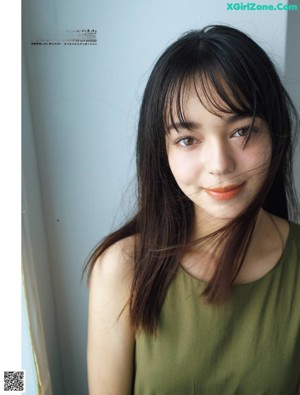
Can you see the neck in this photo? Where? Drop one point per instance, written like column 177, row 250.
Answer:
column 207, row 224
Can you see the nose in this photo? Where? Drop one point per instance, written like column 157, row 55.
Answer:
column 219, row 157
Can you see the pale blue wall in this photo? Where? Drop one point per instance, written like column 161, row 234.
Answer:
column 84, row 103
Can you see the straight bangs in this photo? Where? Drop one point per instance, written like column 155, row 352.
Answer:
column 220, row 86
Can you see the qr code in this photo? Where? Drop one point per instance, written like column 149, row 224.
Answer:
column 14, row 381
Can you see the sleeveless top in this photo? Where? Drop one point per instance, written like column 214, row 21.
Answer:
column 250, row 346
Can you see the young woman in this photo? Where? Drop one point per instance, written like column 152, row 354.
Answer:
column 199, row 293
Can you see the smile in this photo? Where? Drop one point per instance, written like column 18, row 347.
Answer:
column 225, row 193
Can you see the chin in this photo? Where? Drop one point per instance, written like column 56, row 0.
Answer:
column 225, row 213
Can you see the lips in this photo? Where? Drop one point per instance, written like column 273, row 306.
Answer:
column 225, row 193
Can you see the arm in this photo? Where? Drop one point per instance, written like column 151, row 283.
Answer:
column 110, row 345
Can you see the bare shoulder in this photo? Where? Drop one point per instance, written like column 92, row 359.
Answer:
column 110, row 346
column 116, row 263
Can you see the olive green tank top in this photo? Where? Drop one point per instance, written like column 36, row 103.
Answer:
column 251, row 346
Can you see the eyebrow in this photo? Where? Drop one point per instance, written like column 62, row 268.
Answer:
column 186, row 125
column 234, row 117
column 192, row 126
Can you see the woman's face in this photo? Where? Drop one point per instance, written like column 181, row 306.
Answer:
column 212, row 166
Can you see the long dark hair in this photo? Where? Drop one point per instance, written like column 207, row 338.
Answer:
column 229, row 65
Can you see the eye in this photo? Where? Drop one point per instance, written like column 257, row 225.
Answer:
column 241, row 132
column 186, row 141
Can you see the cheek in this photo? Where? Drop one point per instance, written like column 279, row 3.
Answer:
column 184, row 169
column 262, row 149
column 257, row 161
